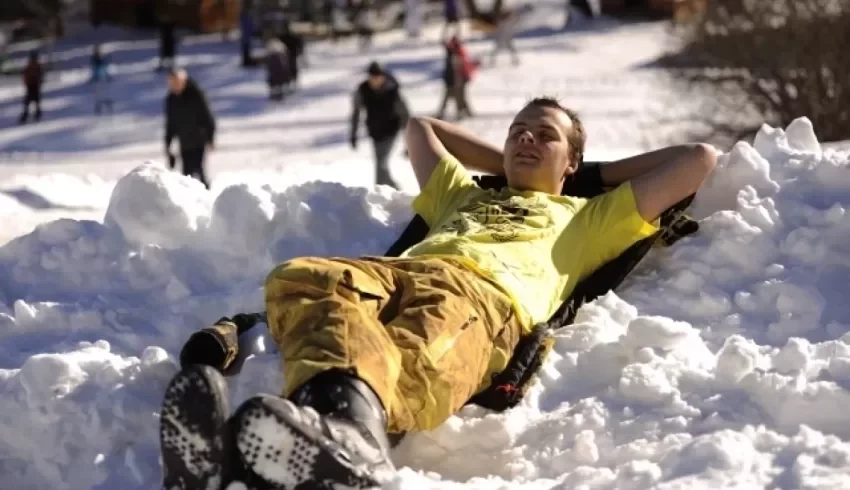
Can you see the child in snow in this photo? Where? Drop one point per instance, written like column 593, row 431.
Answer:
column 380, row 346
column 33, row 78
column 100, row 79
column 457, row 74
column 278, row 71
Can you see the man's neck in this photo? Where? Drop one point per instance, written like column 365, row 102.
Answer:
column 555, row 191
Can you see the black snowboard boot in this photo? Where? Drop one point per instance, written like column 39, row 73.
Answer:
column 192, row 430
column 331, row 434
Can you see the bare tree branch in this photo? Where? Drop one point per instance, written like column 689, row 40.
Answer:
column 787, row 58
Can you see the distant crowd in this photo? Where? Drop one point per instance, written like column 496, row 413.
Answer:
column 190, row 120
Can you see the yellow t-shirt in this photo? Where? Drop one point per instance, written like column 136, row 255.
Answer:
column 535, row 246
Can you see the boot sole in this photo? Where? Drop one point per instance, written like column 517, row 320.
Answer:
column 281, row 447
column 192, row 431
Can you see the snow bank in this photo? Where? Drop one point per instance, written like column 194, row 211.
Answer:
column 27, row 200
column 722, row 362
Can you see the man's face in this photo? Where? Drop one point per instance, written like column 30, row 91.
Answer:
column 536, row 151
column 376, row 81
column 176, row 84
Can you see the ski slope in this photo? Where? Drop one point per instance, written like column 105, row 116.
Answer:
column 723, row 362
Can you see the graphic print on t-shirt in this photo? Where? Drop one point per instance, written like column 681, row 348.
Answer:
column 505, row 219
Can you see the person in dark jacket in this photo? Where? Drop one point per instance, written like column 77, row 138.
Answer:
column 294, row 49
column 33, row 78
column 188, row 117
column 167, row 44
column 278, row 70
column 246, row 31
column 386, row 115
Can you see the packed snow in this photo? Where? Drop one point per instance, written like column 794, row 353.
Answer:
column 722, row 362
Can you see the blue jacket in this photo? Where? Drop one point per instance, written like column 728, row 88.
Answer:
column 100, row 69
column 246, row 26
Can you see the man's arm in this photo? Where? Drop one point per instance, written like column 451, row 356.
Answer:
column 207, row 117
column 619, row 171
column 400, row 108
column 429, row 140
column 356, row 105
column 169, row 125
column 663, row 177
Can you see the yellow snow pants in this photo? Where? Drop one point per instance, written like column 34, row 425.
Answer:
column 425, row 333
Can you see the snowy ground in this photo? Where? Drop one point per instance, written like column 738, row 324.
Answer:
column 723, row 362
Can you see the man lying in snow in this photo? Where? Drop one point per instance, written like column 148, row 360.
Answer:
column 386, row 345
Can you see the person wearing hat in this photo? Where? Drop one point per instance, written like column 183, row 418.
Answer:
column 386, row 115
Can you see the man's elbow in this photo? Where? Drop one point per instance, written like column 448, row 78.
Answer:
column 417, row 122
column 416, row 126
column 703, row 160
column 707, row 155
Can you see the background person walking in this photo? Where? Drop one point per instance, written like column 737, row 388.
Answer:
column 386, row 115
column 189, row 119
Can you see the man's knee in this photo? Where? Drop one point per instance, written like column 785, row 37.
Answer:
column 302, row 271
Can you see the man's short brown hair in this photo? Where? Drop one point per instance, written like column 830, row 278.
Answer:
column 577, row 137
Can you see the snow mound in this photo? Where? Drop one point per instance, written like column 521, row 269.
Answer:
column 723, row 361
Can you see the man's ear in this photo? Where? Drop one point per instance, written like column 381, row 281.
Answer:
column 571, row 169
column 579, row 161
